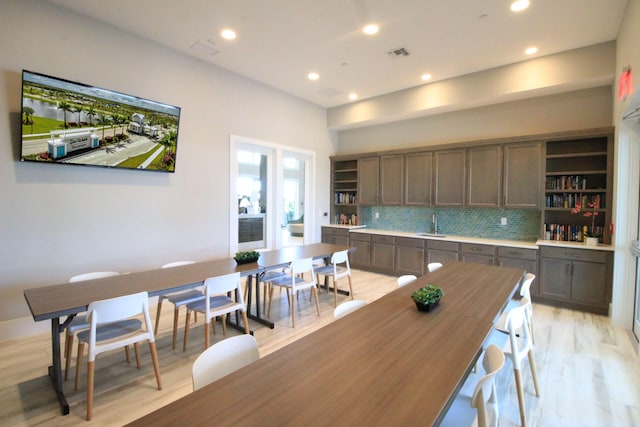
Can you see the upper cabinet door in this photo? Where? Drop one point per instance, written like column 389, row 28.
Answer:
column 484, row 179
column 449, row 177
column 417, row 184
column 368, row 180
column 522, row 175
column 391, row 179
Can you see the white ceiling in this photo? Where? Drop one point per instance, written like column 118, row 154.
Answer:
column 280, row 41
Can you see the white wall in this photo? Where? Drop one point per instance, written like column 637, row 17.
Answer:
column 59, row 221
column 581, row 109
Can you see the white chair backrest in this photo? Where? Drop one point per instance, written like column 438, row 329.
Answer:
column 337, row 259
column 302, row 266
column 93, row 275
column 222, row 284
column 485, row 391
column 177, row 264
column 433, row 266
column 348, row 307
column 525, row 289
column 406, row 279
column 222, row 358
column 118, row 308
column 340, row 257
column 519, row 334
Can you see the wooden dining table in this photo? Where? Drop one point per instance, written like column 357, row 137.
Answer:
column 65, row 300
column 386, row 364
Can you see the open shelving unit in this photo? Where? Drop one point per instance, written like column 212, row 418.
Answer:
column 577, row 174
column 344, row 177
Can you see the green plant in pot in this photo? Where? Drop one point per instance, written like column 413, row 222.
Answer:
column 246, row 257
column 427, row 297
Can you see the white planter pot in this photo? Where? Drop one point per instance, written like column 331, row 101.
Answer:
column 591, row 241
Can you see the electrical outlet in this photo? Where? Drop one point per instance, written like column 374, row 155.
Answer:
column 377, row 215
column 503, row 221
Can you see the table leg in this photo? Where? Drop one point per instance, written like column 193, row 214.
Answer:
column 257, row 317
column 55, row 370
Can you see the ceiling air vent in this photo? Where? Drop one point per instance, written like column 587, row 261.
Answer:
column 398, row 53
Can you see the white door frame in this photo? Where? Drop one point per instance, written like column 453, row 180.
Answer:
column 275, row 184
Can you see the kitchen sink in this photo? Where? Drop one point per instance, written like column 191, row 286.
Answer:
column 431, row 235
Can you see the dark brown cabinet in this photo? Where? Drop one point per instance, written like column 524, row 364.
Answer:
column 484, row 176
column 479, row 254
column 417, row 179
column 526, row 259
column 383, row 253
column 441, row 251
column 335, row 236
column 522, row 175
column 391, row 179
column 409, row 256
column 576, row 278
column 368, row 180
column 449, row 178
column 361, row 256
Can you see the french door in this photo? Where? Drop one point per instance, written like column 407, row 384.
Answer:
column 270, row 187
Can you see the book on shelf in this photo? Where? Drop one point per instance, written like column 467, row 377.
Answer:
column 343, row 198
column 571, row 182
column 570, row 232
column 572, row 200
column 346, row 219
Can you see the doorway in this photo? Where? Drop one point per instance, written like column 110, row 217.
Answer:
column 270, row 186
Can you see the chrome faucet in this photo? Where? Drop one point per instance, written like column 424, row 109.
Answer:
column 434, row 221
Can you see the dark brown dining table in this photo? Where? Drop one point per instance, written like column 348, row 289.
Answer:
column 386, row 364
column 59, row 303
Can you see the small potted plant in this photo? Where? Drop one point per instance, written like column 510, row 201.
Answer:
column 590, row 237
column 427, row 297
column 246, row 257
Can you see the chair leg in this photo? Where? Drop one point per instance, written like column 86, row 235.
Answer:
column 68, row 348
column 126, row 354
column 207, row 332
column 175, row 327
column 335, row 292
column 90, row 371
column 270, row 298
column 293, row 311
column 186, row 331
column 246, row 322
column 315, row 292
column 520, row 391
column 534, row 374
column 224, row 324
column 78, row 364
column 350, row 287
column 156, row 366
column 158, row 308
column 136, row 350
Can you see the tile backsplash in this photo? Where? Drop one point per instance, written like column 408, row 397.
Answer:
column 522, row 224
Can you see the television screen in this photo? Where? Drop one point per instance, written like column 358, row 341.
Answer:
column 73, row 123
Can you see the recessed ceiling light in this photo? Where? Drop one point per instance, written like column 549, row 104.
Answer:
column 426, row 77
column 531, row 50
column 371, row 29
column 313, row 76
column 353, row 96
column 519, row 5
column 228, row 34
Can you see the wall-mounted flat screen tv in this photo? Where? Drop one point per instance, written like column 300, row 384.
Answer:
column 65, row 122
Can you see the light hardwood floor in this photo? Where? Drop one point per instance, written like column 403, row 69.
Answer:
column 588, row 371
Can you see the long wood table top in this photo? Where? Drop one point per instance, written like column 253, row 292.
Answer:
column 385, row 364
column 68, row 298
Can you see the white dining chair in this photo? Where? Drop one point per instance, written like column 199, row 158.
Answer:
column 115, row 323
column 337, row 269
column 301, row 276
column 525, row 293
column 348, row 307
column 80, row 322
column 481, row 408
column 178, row 299
column 433, row 266
column 223, row 358
column 218, row 301
column 518, row 347
column 405, row 280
